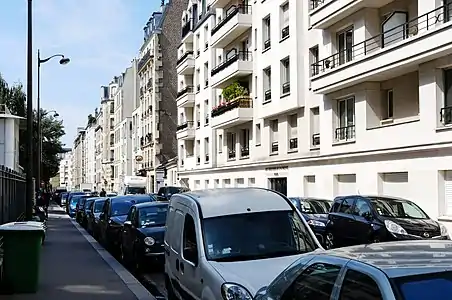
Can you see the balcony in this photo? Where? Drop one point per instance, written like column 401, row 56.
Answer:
column 325, row 13
column 218, row 4
column 186, row 97
column 232, row 113
column 187, row 33
column 344, row 134
column 402, row 47
column 186, row 64
column 185, row 131
column 238, row 20
column 237, row 64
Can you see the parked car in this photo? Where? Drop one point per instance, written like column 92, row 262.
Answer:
column 93, row 216
column 72, row 204
column 57, row 194
column 167, row 191
column 315, row 212
column 371, row 219
column 408, row 270
column 142, row 235
column 64, row 196
column 114, row 213
column 80, row 208
column 226, row 243
column 158, row 197
column 69, row 199
column 111, row 194
column 88, row 207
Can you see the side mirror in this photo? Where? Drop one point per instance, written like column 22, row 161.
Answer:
column 368, row 216
column 102, row 216
column 128, row 223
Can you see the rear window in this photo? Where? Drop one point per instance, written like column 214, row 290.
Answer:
column 422, row 287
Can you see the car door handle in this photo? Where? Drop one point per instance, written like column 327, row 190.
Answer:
column 181, row 265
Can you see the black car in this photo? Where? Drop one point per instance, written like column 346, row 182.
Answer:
column 167, row 191
column 114, row 213
column 88, row 206
column 360, row 219
column 72, row 204
column 80, row 209
column 142, row 234
column 315, row 212
column 158, row 197
column 68, row 202
column 57, row 195
column 92, row 218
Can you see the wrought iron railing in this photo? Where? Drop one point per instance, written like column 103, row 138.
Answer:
column 315, row 140
column 237, row 56
column 185, row 125
column 185, row 90
column 187, row 28
column 345, row 133
column 240, row 102
column 12, row 195
column 184, row 56
column 446, row 115
column 230, row 13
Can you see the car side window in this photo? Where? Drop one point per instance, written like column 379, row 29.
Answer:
column 315, row 283
column 336, row 205
column 135, row 213
column 346, row 206
column 190, row 245
column 130, row 215
column 106, row 207
column 362, row 208
column 357, row 286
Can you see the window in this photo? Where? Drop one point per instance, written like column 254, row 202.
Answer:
column 346, row 114
column 292, row 121
column 285, row 76
column 245, row 143
column 190, row 250
column 198, row 80
column 285, row 20
column 446, row 111
column 231, row 140
column 258, row 134
column 267, row 83
column 206, row 149
column 388, row 105
column 206, row 36
column 255, row 39
column 274, row 136
column 206, row 111
column 206, row 74
column 198, row 44
column 315, row 283
column 362, row 208
column 266, row 33
column 314, row 60
column 198, row 152
column 198, row 116
column 357, row 286
column 345, row 45
column 315, row 127
column 220, row 143
column 346, row 206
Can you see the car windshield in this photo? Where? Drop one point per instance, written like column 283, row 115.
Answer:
column 98, row 206
column 89, row 204
column 256, row 236
column 315, row 206
column 397, row 208
column 421, row 287
column 75, row 200
column 135, row 190
column 152, row 215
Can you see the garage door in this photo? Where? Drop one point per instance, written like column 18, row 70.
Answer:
column 448, row 192
column 395, row 184
column 346, row 184
column 309, row 186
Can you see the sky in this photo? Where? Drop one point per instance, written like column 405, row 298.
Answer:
column 101, row 37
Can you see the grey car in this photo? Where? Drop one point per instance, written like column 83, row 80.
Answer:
column 405, row 270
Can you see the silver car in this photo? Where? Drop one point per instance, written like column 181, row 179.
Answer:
column 405, row 270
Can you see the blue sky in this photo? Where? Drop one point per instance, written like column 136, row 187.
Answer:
column 99, row 36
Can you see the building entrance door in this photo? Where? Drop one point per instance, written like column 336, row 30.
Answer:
column 279, row 184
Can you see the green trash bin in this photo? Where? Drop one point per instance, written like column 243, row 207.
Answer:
column 21, row 257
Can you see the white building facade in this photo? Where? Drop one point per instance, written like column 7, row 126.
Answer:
column 90, row 150
column 66, row 171
column 346, row 97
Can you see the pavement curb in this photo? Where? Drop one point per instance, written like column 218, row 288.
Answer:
column 129, row 280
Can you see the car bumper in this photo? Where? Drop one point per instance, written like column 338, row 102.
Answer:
column 400, row 237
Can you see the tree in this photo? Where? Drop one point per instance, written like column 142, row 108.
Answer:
column 52, row 130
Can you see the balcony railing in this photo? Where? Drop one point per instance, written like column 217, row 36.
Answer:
column 245, row 151
column 184, row 56
column 185, row 90
column 446, row 115
column 387, row 38
column 240, row 102
column 207, row 158
column 187, row 28
column 206, row 120
column 285, row 32
column 267, row 95
column 293, row 143
column 315, row 140
column 274, row 147
column 316, row 3
column 230, row 13
column 185, row 125
column 144, row 60
column 286, row 88
column 231, row 154
column 232, row 58
column 345, row 133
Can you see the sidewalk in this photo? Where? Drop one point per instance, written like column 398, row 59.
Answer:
column 75, row 266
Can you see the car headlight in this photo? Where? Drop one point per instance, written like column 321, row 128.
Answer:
column 393, row 227
column 316, row 223
column 444, row 231
column 149, row 241
column 234, row 291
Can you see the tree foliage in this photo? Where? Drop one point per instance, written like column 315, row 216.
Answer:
column 52, row 131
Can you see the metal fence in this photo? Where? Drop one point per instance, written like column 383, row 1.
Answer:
column 12, row 195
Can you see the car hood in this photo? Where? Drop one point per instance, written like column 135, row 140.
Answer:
column 253, row 274
column 156, row 232
column 317, row 217
column 416, row 225
column 119, row 219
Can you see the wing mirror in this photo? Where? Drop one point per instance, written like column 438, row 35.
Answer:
column 128, row 223
column 102, row 216
column 368, row 216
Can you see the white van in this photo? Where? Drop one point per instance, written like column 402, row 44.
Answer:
column 227, row 243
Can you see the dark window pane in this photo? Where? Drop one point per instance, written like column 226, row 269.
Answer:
column 358, row 286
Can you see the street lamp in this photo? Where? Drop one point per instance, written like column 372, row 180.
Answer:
column 63, row 61
column 29, row 145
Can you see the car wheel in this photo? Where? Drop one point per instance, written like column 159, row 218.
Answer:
column 329, row 241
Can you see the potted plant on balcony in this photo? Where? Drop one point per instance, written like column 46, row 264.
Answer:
column 231, row 94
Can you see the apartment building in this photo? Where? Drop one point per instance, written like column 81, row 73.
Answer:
column 157, row 89
column 356, row 102
column 99, row 145
column 65, row 171
column 78, row 158
column 90, row 150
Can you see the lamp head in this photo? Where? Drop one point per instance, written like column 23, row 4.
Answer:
column 64, row 61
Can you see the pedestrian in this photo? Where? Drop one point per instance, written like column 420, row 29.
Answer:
column 103, row 193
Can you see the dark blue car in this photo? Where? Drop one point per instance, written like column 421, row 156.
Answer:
column 315, row 212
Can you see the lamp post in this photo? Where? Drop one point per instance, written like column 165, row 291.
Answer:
column 29, row 201
column 63, row 61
